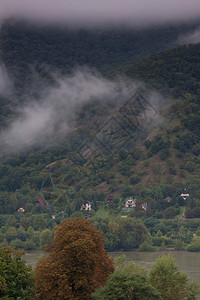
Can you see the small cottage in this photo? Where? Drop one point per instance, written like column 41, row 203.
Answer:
column 185, row 194
column 129, row 204
column 168, row 199
column 86, row 206
column 21, row 209
column 110, row 199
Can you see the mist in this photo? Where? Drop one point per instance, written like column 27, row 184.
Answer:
column 47, row 121
column 6, row 86
column 190, row 38
column 101, row 12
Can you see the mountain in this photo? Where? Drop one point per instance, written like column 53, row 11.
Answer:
column 118, row 147
column 26, row 48
column 175, row 69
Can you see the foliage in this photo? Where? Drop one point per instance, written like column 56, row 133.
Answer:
column 131, row 171
column 102, row 49
column 179, row 245
column 171, row 212
column 132, row 233
column 127, row 282
column 121, row 233
column 16, row 279
column 46, row 237
column 193, row 212
column 76, row 265
column 195, row 245
column 170, row 282
column 170, row 68
column 146, row 247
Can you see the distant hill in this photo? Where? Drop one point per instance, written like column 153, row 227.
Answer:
column 106, row 153
column 25, row 47
column 176, row 69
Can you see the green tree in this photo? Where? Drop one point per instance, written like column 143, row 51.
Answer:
column 132, row 233
column 147, row 247
column 39, row 222
column 170, row 282
column 16, row 279
column 77, row 264
column 194, row 246
column 127, row 283
column 17, row 243
column 46, row 238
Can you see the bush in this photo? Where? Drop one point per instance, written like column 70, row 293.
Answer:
column 29, row 245
column 195, row 245
column 171, row 212
column 193, row 213
column 158, row 241
column 146, row 247
column 178, row 245
column 17, row 244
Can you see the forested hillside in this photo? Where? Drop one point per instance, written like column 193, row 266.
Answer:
column 115, row 147
column 27, row 50
column 175, row 69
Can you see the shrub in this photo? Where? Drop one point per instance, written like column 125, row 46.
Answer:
column 146, row 247
column 195, row 245
column 178, row 245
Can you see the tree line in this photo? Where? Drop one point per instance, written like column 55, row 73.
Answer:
column 78, row 267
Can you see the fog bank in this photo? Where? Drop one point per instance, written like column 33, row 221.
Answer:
column 96, row 12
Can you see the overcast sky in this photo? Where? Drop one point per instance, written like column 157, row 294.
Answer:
column 101, row 11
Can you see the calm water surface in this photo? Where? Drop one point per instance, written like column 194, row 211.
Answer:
column 188, row 262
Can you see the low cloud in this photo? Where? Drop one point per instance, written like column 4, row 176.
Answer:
column 48, row 120
column 6, row 85
column 91, row 12
column 190, row 38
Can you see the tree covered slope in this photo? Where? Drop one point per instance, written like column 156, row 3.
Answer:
column 106, row 153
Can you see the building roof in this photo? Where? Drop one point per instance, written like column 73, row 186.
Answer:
column 41, row 202
column 185, row 195
column 168, row 199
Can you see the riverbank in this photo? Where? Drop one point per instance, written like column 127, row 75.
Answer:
column 188, row 262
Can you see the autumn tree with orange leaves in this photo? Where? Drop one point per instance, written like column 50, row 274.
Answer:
column 77, row 264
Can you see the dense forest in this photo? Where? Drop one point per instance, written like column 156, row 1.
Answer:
column 112, row 151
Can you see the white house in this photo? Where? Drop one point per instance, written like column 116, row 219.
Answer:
column 185, row 194
column 86, row 206
column 129, row 204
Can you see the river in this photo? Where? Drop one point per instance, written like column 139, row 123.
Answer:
column 188, row 262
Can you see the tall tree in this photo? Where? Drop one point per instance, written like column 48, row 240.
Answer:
column 170, row 281
column 16, row 279
column 127, row 283
column 77, row 264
